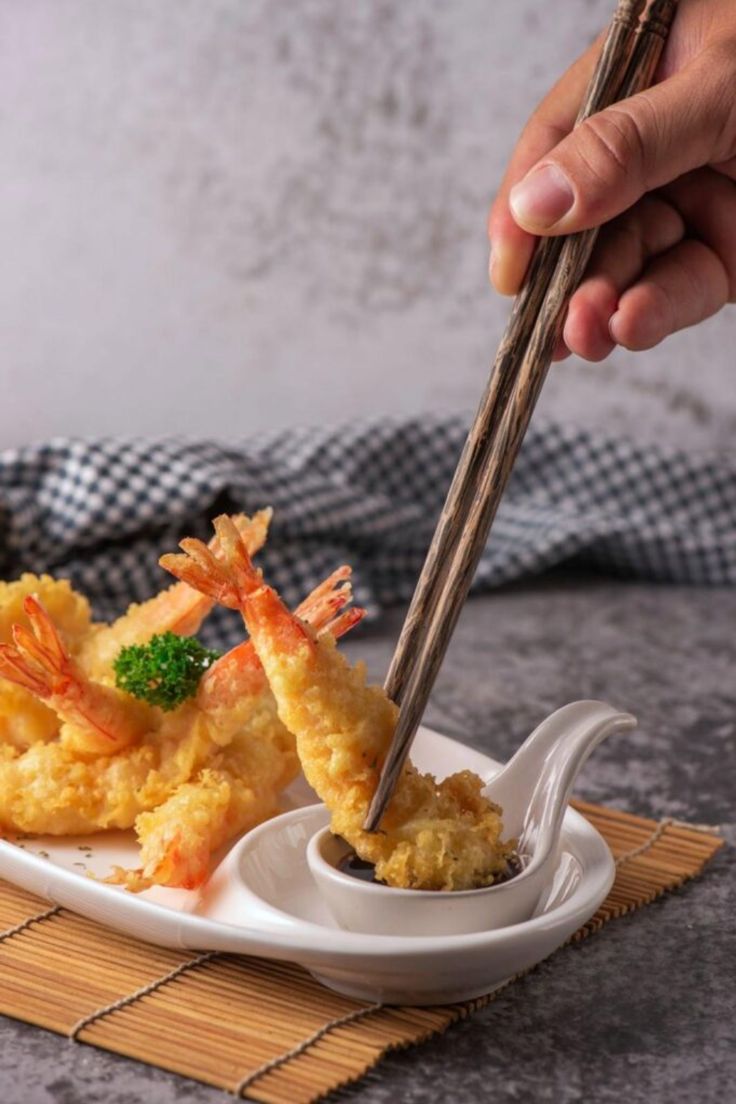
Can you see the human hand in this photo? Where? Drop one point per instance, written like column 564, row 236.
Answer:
column 659, row 169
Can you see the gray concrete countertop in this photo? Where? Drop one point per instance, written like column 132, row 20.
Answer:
column 642, row 1012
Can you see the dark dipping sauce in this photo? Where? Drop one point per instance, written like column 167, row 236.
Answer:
column 366, row 872
column 357, row 868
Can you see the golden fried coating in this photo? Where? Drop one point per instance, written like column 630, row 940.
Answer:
column 68, row 609
column 239, row 791
column 48, row 789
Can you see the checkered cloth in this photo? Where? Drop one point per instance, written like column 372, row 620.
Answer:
column 102, row 512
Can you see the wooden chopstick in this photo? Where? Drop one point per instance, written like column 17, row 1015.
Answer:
column 601, row 92
column 626, row 65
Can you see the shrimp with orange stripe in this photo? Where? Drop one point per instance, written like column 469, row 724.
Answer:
column 434, row 835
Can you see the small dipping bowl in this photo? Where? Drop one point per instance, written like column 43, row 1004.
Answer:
column 532, row 789
column 366, row 906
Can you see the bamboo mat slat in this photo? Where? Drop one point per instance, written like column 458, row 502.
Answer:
column 262, row 1029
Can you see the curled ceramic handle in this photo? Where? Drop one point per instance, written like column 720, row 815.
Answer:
column 534, row 787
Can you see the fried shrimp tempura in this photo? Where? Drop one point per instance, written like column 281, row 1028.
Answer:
column 443, row 836
column 188, row 780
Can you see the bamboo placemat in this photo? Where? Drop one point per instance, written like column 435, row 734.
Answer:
column 264, row 1030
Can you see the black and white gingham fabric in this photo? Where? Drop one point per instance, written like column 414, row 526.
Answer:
column 101, row 512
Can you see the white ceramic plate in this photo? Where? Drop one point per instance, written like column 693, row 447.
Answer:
column 262, row 901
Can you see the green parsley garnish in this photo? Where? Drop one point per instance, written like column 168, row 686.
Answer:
column 165, row 671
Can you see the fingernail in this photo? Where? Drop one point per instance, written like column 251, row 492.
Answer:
column 490, row 265
column 613, row 327
column 506, row 268
column 541, row 198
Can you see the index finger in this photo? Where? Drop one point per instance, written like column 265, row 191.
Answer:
column 553, row 119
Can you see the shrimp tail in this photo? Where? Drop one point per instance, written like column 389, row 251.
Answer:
column 37, row 659
column 227, row 578
column 320, row 608
column 344, row 622
column 15, row 668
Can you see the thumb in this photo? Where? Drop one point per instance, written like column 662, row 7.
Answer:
column 609, row 161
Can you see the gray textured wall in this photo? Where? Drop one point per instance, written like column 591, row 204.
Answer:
column 220, row 215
